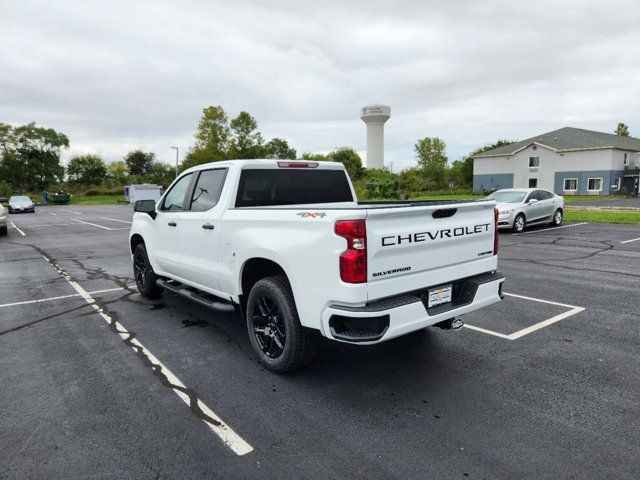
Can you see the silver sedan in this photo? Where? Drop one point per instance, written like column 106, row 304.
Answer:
column 519, row 207
column 21, row 203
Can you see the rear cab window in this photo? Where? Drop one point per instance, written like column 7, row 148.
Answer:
column 272, row 187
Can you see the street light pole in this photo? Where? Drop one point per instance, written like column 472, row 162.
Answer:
column 177, row 150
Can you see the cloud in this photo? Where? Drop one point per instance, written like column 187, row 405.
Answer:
column 121, row 74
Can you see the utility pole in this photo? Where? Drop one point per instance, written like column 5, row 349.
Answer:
column 177, row 150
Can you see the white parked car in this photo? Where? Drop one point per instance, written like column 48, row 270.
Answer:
column 288, row 245
column 519, row 207
column 3, row 221
column 21, row 203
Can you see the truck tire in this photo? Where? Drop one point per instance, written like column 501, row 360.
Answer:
column 519, row 223
column 3, row 231
column 143, row 273
column 280, row 342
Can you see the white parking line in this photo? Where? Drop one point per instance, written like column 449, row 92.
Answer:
column 54, row 214
column 525, row 331
column 48, row 225
column 72, row 211
column 49, row 299
column 19, row 231
column 552, row 228
column 116, row 220
column 228, row 436
column 632, row 240
column 99, row 226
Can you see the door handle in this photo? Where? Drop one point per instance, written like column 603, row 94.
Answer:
column 208, row 226
column 172, row 224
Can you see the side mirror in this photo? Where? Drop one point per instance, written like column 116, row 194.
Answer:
column 532, row 201
column 145, row 206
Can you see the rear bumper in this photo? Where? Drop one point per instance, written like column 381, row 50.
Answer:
column 395, row 316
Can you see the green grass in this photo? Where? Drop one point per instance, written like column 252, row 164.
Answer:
column 96, row 199
column 602, row 216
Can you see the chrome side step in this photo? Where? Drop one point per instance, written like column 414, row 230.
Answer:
column 184, row 291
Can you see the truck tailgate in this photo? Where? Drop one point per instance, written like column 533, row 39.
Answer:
column 413, row 247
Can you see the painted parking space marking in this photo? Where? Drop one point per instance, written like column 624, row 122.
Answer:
column 61, row 297
column 228, row 436
column 18, row 229
column 72, row 211
column 116, row 220
column 632, row 240
column 47, row 225
column 552, row 228
column 98, row 226
column 573, row 309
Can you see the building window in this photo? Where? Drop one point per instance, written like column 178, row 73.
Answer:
column 594, row 185
column 637, row 159
column 616, row 184
column 534, row 162
column 533, row 183
column 626, row 159
column 570, row 184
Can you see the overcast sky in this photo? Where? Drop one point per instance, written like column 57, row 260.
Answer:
column 119, row 75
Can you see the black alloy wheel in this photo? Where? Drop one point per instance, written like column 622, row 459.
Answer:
column 268, row 326
column 277, row 337
column 143, row 273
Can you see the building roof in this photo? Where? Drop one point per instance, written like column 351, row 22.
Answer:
column 567, row 139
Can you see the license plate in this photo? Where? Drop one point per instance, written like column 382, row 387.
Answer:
column 439, row 295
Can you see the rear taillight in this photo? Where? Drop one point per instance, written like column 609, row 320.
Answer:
column 495, row 231
column 353, row 261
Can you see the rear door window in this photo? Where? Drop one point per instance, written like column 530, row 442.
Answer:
column 206, row 193
column 270, row 187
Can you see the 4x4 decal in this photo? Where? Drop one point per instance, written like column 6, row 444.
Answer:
column 312, row 214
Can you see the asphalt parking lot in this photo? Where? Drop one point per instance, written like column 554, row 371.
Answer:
column 542, row 385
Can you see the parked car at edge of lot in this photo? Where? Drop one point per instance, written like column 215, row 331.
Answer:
column 3, row 221
column 288, row 245
column 519, row 207
column 21, row 203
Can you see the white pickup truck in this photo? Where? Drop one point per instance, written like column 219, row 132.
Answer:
column 288, row 245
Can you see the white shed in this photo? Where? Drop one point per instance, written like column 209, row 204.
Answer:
column 143, row 191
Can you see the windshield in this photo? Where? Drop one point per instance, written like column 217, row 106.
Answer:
column 507, row 197
column 19, row 199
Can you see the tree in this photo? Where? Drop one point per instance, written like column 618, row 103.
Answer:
column 31, row 155
column 350, row 159
column 213, row 130
column 279, row 148
column 622, row 130
column 87, row 169
column 117, row 171
column 432, row 159
column 162, row 174
column 316, row 157
column 139, row 162
column 246, row 141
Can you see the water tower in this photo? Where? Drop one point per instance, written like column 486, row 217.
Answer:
column 375, row 116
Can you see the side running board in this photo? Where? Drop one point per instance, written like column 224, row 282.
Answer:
column 203, row 299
